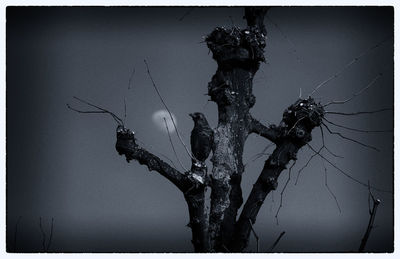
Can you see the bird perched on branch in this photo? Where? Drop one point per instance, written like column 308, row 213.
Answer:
column 201, row 138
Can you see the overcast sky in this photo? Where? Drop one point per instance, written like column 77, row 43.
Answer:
column 64, row 165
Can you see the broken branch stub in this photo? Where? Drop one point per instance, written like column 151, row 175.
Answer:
column 125, row 142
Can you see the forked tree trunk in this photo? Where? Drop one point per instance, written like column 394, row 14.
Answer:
column 238, row 53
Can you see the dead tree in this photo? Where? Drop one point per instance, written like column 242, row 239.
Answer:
column 238, row 53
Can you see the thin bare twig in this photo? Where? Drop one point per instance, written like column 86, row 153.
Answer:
column 333, row 154
column 255, row 234
column 130, row 79
column 326, row 148
column 321, row 148
column 226, row 249
column 350, row 139
column 98, row 107
column 372, row 214
column 355, row 94
column 172, row 145
column 51, row 234
column 294, row 125
column 347, row 174
column 358, row 113
column 186, row 14
column 283, row 190
column 276, row 241
column 169, row 112
column 304, row 166
column 337, row 74
column 294, row 51
column 100, row 110
column 329, row 189
column 44, row 246
column 357, row 130
column 262, row 153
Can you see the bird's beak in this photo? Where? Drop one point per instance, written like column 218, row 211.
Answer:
column 191, row 115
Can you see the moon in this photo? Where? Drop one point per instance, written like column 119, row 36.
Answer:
column 158, row 119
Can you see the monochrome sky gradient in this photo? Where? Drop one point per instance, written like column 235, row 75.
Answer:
column 64, row 165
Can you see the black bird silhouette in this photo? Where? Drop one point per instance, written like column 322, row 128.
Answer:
column 201, row 137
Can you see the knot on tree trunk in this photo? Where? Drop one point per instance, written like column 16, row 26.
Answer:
column 236, row 47
column 299, row 119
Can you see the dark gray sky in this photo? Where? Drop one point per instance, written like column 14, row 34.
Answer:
column 64, row 165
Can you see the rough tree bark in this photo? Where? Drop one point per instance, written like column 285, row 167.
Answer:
column 238, row 53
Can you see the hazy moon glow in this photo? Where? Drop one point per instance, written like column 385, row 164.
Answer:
column 158, row 119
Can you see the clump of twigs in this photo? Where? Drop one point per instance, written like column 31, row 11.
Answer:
column 237, row 44
column 300, row 119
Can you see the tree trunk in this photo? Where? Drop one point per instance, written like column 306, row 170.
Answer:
column 238, row 54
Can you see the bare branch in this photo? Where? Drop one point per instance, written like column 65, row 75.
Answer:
column 271, row 133
column 51, row 234
column 350, row 139
column 372, row 214
column 172, row 145
column 101, row 110
column 276, row 241
column 357, row 130
column 294, row 51
column 81, row 111
column 126, row 145
column 304, row 166
column 169, row 112
column 283, row 190
column 255, row 234
column 333, row 154
column 358, row 113
column 259, row 155
column 265, row 184
column 324, row 145
column 157, row 153
column 355, row 94
column 226, row 249
column 347, row 174
column 130, row 79
column 186, row 14
column 318, row 152
column 369, row 199
column 329, row 189
column 295, row 124
column 337, row 74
